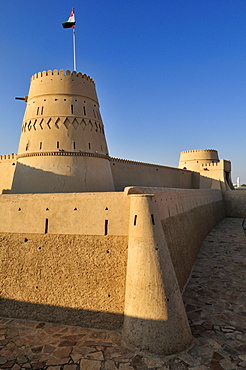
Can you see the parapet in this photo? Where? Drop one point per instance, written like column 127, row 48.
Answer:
column 202, row 155
column 61, row 73
column 61, row 83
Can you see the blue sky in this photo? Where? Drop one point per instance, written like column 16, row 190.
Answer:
column 170, row 74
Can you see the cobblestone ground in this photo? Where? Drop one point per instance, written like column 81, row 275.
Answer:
column 215, row 303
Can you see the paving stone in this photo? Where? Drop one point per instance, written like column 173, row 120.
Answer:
column 58, row 361
column 3, row 360
column 70, row 367
column 90, row 365
column 62, row 352
column 110, row 365
column 126, row 367
column 76, row 357
column 27, row 365
column 153, row 362
column 95, row 356
column 16, row 367
column 227, row 365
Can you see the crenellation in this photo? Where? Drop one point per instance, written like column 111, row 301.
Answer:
column 61, row 72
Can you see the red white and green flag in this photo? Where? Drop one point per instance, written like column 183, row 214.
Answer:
column 70, row 22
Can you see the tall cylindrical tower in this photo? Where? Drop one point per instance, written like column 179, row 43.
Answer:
column 62, row 145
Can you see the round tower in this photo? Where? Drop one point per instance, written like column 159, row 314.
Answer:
column 62, row 145
column 193, row 159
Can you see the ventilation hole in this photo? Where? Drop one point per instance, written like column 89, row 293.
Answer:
column 25, row 240
column 152, row 219
column 46, row 226
column 89, row 145
column 156, row 249
column 106, row 209
column 74, row 145
column 57, row 144
column 19, row 209
column 135, row 220
column 47, row 209
column 71, row 108
column 106, row 227
column 36, row 287
column 75, row 209
column 39, row 248
column 84, row 111
column 109, row 295
column 40, row 145
column 65, row 99
column 107, row 251
column 13, row 164
column 167, row 299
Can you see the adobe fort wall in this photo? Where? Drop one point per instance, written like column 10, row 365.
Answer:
column 7, row 169
column 235, row 203
column 70, row 253
column 126, row 173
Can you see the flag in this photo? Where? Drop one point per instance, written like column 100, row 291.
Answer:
column 70, row 22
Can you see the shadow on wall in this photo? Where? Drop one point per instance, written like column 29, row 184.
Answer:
column 147, row 329
column 62, row 315
column 28, row 179
column 184, row 234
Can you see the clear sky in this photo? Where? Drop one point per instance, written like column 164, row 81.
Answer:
column 170, row 74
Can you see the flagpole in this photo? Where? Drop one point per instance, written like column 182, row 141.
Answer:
column 74, row 50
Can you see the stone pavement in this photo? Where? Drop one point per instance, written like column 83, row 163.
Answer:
column 215, row 303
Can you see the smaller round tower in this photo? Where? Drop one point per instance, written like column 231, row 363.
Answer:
column 62, row 145
column 193, row 159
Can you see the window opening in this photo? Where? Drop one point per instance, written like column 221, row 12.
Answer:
column 106, row 228
column 46, row 226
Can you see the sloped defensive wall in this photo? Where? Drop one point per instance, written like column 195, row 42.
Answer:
column 115, row 260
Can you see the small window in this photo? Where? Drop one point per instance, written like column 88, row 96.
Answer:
column 40, row 145
column 84, row 111
column 74, row 145
column 57, row 144
column 71, row 108
column 89, row 145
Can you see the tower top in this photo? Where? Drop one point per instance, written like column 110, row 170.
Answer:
column 61, row 73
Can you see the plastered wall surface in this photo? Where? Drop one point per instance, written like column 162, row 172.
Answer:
column 127, row 173
column 74, row 279
column 62, row 173
column 235, row 203
column 7, row 168
column 75, row 213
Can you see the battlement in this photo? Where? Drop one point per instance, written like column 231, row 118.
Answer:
column 61, row 73
column 8, row 156
column 199, row 151
column 210, row 164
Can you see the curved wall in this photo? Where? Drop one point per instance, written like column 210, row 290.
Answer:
column 62, row 145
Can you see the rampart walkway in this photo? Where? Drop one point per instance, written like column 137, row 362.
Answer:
column 215, row 301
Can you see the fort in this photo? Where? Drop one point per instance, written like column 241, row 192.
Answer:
column 98, row 241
